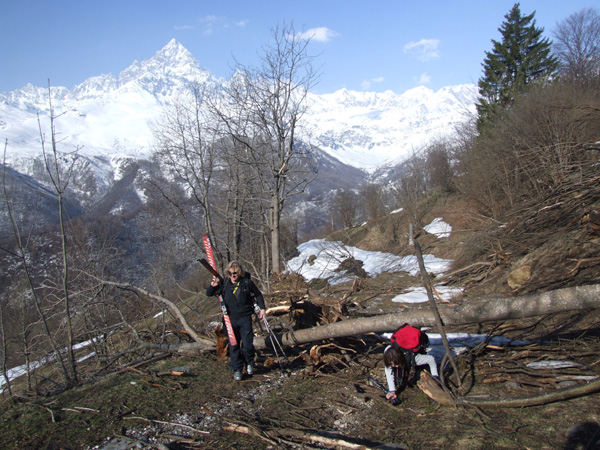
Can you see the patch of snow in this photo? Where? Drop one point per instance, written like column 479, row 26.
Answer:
column 419, row 294
column 320, row 258
column 552, row 365
column 439, row 228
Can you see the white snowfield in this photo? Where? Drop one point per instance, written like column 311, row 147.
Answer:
column 321, row 259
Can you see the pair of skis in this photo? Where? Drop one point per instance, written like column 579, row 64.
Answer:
column 211, row 265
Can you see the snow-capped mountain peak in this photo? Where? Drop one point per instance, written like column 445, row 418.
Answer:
column 171, row 66
column 175, row 54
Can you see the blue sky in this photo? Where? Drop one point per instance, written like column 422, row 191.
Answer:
column 367, row 46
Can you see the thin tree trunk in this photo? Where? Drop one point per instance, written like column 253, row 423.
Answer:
column 65, row 289
column 434, row 309
column 275, row 216
column 3, row 364
column 59, row 186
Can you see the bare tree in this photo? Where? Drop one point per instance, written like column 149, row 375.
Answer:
column 241, row 209
column 577, row 45
column 262, row 111
column 30, row 294
column 345, row 204
column 411, row 187
column 60, row 181
column 438, row 167
column 185, row 151
column 4, row 351
column 371, row 195
column 200, row 178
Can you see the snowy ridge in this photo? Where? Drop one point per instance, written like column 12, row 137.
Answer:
column 370, row 130
column 107, row 115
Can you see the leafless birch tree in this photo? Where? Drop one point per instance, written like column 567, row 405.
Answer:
column 262, row 110
column 60, row 179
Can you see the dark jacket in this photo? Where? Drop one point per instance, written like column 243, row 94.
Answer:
column 240, row 297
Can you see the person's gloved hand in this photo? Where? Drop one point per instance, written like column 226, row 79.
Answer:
column 392, row 397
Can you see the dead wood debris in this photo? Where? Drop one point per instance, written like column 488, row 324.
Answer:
column 316, row 359
column 173, row 424
column 283, row 435
column 515, row 371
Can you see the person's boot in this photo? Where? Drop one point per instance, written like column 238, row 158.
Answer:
column 237, row 375
column 249, row 369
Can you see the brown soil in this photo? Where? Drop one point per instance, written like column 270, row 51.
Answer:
column 330, row 398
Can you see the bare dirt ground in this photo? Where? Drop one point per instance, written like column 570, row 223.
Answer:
column 329, row 404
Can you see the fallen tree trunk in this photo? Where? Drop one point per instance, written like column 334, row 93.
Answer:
column 489, row 309
column 536, row 399
column 200, row 343
column 436, row 392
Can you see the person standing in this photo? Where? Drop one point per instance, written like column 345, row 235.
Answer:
column 239, row 295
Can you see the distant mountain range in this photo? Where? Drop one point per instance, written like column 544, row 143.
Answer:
column 109, row 116
column 107, row 119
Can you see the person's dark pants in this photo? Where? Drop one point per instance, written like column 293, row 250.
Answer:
column 243, row 353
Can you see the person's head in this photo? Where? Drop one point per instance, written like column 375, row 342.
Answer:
column 393, row 357
column 235, row 271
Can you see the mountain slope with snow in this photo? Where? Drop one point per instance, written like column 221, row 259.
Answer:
column 107, row 121
column 369, row 130
column 103, row 116
column 110, row 116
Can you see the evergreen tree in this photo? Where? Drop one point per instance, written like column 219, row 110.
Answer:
column 520, row 58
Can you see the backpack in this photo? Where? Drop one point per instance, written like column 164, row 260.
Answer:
column 410, row 340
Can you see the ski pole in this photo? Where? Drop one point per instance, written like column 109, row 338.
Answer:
column 273, row 338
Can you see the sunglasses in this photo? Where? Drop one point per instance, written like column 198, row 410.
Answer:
column 233, row 273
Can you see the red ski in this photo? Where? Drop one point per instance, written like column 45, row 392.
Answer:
column 212, row 264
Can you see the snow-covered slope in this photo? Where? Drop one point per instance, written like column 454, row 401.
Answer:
column 104, row 116
column 109, row 117
column 369, row 130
